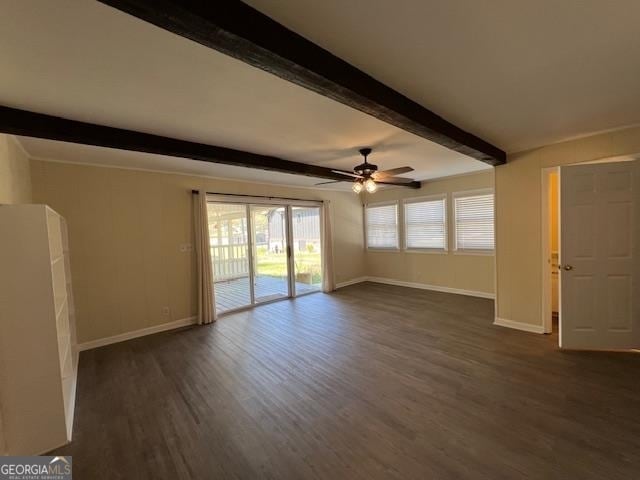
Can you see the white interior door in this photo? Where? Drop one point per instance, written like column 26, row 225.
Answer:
column 600, row 256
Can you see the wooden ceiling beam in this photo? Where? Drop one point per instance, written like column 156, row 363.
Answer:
column 30, row 124
column 240, row 31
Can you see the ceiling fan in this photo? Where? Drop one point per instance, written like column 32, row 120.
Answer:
column 367, row 177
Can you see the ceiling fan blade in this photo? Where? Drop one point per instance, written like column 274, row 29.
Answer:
column 333, row 181
column 395, row 180
column 348, row 174
column 391, row 172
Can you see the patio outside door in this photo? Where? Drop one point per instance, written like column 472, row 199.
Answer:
column 306, row 244
column 230, row 255
column 263, row 252
column 270, row 252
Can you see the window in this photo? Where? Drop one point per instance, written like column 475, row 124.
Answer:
column 382, row 226
column 426, row 224
column 474, row 221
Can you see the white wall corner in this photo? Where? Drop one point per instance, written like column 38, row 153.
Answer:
column 525, row 327
column 101, row 342
column 20, row 146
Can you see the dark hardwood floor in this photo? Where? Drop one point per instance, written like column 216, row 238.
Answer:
column 373, row 381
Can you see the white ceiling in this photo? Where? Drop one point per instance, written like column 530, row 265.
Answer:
column 86, row 61
column 520, row 74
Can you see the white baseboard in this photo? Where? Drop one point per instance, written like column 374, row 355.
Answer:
column 353, row 281
column 422, row 286
column 101, row 342
column 527, row 327
column 435, row 288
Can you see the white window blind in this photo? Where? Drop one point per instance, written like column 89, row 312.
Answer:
column 474, row 222
column 382, row 226
column 426, row 224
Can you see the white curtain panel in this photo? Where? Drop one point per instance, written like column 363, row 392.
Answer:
column 328, row 282
column 206, row 310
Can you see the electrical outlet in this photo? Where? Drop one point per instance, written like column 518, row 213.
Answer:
column 166, row 311
column 186, row 247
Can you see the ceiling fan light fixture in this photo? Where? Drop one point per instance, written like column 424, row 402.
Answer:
column 370, row 185
column 367, row 173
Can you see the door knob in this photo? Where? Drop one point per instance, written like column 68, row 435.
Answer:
column 565, row 267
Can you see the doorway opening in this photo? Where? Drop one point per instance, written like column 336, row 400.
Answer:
column 550, row 222
column 263, row 250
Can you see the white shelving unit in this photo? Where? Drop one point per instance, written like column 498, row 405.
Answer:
column 38, row 353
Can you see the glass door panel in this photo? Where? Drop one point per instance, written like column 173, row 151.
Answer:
column 307, row 257
column 270, row 259
column 229, row 241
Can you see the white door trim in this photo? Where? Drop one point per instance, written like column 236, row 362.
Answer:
column 546, row 309
column 290, row 260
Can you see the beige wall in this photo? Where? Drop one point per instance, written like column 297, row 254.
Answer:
column 15, row 176
column 15, row 187
column 518, row 222
column 450, row 270
column 125, row 228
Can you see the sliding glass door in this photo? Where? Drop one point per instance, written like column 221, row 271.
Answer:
column 230, row 255
column 307, row 248
column 270, row 252
column 263, row 252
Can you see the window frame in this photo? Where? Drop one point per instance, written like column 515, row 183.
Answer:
column 425, row 199
column 397, row 248
column 472, row 193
